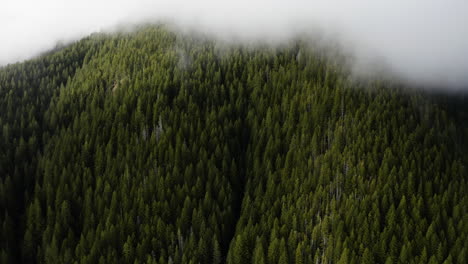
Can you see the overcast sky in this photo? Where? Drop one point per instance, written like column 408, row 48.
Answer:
column 422, row 40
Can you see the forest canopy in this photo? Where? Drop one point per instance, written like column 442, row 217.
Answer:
column 156, row 146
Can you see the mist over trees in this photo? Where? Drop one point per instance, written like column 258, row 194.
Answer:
column 421, row 41
column 161, row 147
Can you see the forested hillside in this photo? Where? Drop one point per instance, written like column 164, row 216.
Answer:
column 155, row 146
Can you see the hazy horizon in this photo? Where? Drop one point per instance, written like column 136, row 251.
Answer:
column 422, row 41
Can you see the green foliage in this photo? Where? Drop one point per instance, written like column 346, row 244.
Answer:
column 159, row 147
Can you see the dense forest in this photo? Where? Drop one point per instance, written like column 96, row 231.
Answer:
column 155, row 146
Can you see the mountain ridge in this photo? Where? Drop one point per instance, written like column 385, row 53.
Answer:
column 241, row 156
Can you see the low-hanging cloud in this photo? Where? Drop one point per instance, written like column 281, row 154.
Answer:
column 423, row 41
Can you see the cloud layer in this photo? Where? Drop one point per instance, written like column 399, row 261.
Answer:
column 424, row 41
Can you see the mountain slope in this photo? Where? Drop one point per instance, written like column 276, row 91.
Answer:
column 160, row 147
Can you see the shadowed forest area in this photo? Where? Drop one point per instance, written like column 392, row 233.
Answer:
column 162, row 147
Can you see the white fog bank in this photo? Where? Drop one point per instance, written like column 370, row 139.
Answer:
column 424, row 41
